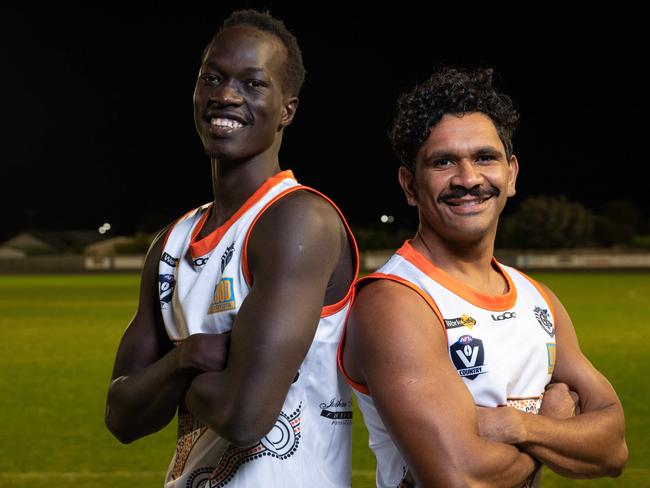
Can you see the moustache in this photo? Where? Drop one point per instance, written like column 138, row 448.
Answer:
column 476, row 191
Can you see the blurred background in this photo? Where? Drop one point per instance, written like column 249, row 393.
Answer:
column 99, row 152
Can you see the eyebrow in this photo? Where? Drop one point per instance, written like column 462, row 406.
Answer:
column 446, row 154
column 251, row 69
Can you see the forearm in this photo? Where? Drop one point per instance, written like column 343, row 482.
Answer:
column 585, row 446
column 216, row 401
column 475, row 463
column 144, row 402
column 500, row 465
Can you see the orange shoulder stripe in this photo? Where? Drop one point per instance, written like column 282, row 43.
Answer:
column 398, row 279
column 544, row 294
column 327, row 309
column 209, row 242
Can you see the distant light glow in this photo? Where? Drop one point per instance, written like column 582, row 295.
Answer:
column 102, row 230
column 384, row 219
column 107, row 226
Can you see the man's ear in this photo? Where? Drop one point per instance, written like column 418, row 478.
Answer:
column 288, row 112
column 513, row 171
column 407, row 182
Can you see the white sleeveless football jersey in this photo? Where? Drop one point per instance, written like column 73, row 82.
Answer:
column 503, row 347
column 202, row 285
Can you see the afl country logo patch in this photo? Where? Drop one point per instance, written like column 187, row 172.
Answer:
column 543, row 317
column 166, row 283
column 468, row 356
column 224, row 297
column 227, row 256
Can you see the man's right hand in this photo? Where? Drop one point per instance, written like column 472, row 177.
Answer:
column 560, row 402
column 205, row 352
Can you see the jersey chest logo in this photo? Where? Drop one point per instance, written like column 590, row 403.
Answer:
column 542, row 316
column 166, row 284
column 227, row 256
column 468, row 355
column 462, row 321
column 224, row 297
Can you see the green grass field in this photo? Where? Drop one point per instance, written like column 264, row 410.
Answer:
column 59, row 334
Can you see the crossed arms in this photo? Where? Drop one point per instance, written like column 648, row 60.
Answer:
column 396, row 346
column 235, row 383
column 587, row 445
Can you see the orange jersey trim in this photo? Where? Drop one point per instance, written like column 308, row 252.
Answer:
column 327, row 310
column 339, row 355
column 209, row 242
column 475, row 297
column 544, row 294
column 398, row 279
column 171, row 227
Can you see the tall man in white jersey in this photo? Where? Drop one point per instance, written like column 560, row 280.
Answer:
column 243, row 300
column 450, row 352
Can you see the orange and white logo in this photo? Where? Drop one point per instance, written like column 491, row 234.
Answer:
column 224, row 297
column 550, row 351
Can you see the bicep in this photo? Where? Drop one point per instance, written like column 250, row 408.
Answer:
column 293, row 252
column 403, row 356
column 144, row 340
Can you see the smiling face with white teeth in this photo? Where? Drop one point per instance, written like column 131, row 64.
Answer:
column 240, row 105
column 462, row 179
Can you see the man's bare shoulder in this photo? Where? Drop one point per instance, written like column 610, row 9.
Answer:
column 304, row 208
column 389, row 314
column 388, row 297
column 302, row 227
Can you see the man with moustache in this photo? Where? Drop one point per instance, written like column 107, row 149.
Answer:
column 243, row 299
column 442, row 326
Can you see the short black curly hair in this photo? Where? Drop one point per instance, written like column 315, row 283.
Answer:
column 294, row 76
column 449, row 91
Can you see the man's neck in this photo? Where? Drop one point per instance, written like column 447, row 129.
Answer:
column 233, row 183
column 468, row 262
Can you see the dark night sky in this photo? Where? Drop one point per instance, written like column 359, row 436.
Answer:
column 98, row 126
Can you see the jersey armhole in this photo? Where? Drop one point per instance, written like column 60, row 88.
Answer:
column 326, row 310
column 382, row 276
column 173, row 224
column 544, row 294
